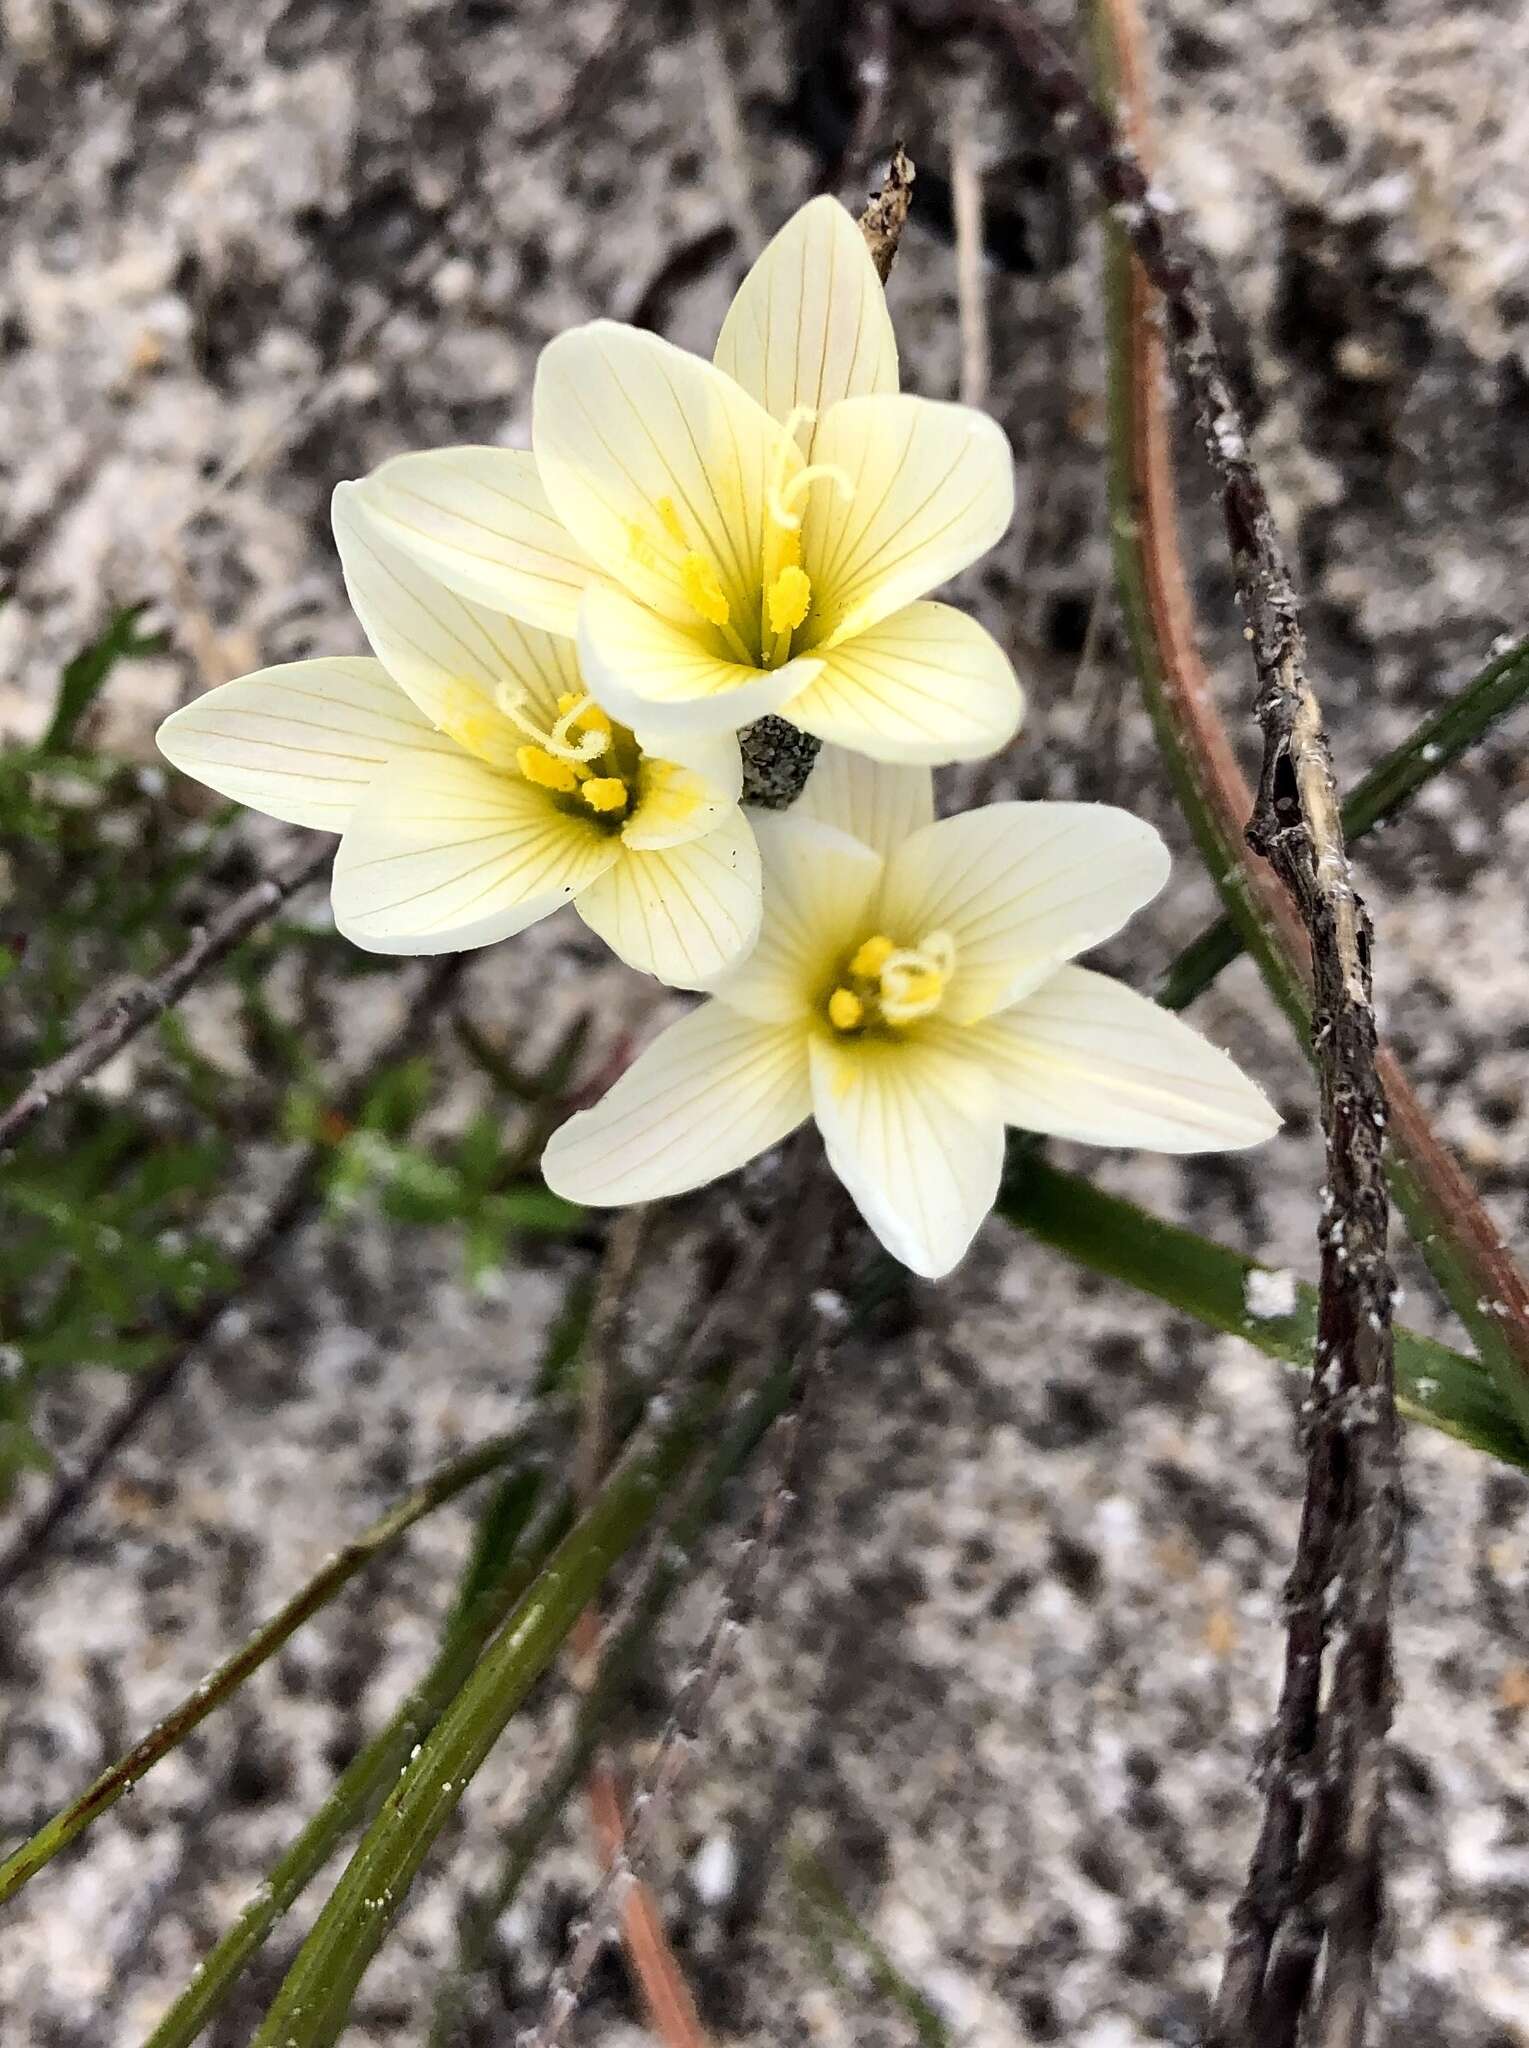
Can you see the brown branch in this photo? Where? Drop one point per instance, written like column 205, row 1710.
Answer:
column 127, row 1013
column 1315, row 1876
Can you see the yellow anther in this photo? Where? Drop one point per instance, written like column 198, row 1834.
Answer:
column 581, row 713
column 604, row 792
column 845, row 1009
column 545, row 770
column 702, row 590
column 872, row 957
column 788, row 600
column 669, row 520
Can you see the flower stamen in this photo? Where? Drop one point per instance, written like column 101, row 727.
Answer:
column 546, row 771
column 604, row 792
column 788, row 599
column 784, row 493
column 590, row 747
column 892, row 985
column 845, row 1009
column 703, row 590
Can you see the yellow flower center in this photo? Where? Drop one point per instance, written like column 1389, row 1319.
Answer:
column 582, row 757
column 756, row 637
column 883, row 983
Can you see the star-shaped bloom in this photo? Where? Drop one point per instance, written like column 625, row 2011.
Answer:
column 478, row 786
column 912, row 990
column 751, row 535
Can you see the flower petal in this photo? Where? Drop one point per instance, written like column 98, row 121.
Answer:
column 300, row 741
column 450, row 655
column 1020, row 888
column 649, row 456
column 442, row 855
column 933, row 490
column 913, row 1131
column 480, row 522
column 818, row 887
column 687, row 787
column 657, row 678
column 879, row 805
column 709, row 1094
column 928, row 684
column 685, row 913
column 809, row 325
column 1085, row 1057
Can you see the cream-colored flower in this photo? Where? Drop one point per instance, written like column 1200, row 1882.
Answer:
column 912, row 991
column 751, row 535
column 478, row 786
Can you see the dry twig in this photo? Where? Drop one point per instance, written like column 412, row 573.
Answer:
column 127, row 1013
column 971, row 292
column 1315, row 1874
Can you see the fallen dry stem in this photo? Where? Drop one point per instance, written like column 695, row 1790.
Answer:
column 971, row 291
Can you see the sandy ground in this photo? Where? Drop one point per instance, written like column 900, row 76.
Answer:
column 1024, row 1638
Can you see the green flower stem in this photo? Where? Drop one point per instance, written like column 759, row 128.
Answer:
column 311, row 2006
column 1444, row 1214
column 1435, row 746
column 1446, row 1389
column 444, row 1485
column 511, row 1550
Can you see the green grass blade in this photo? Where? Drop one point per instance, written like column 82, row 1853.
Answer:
column 511, row 1549
column 829, row 1916
column 617, row 1662
column 442, row 1486
column 1444, row 1388
column 311, row 2006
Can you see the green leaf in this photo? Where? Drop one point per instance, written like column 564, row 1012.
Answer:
column 1444, row 1388
column 86, row 676
column 533, row 1208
